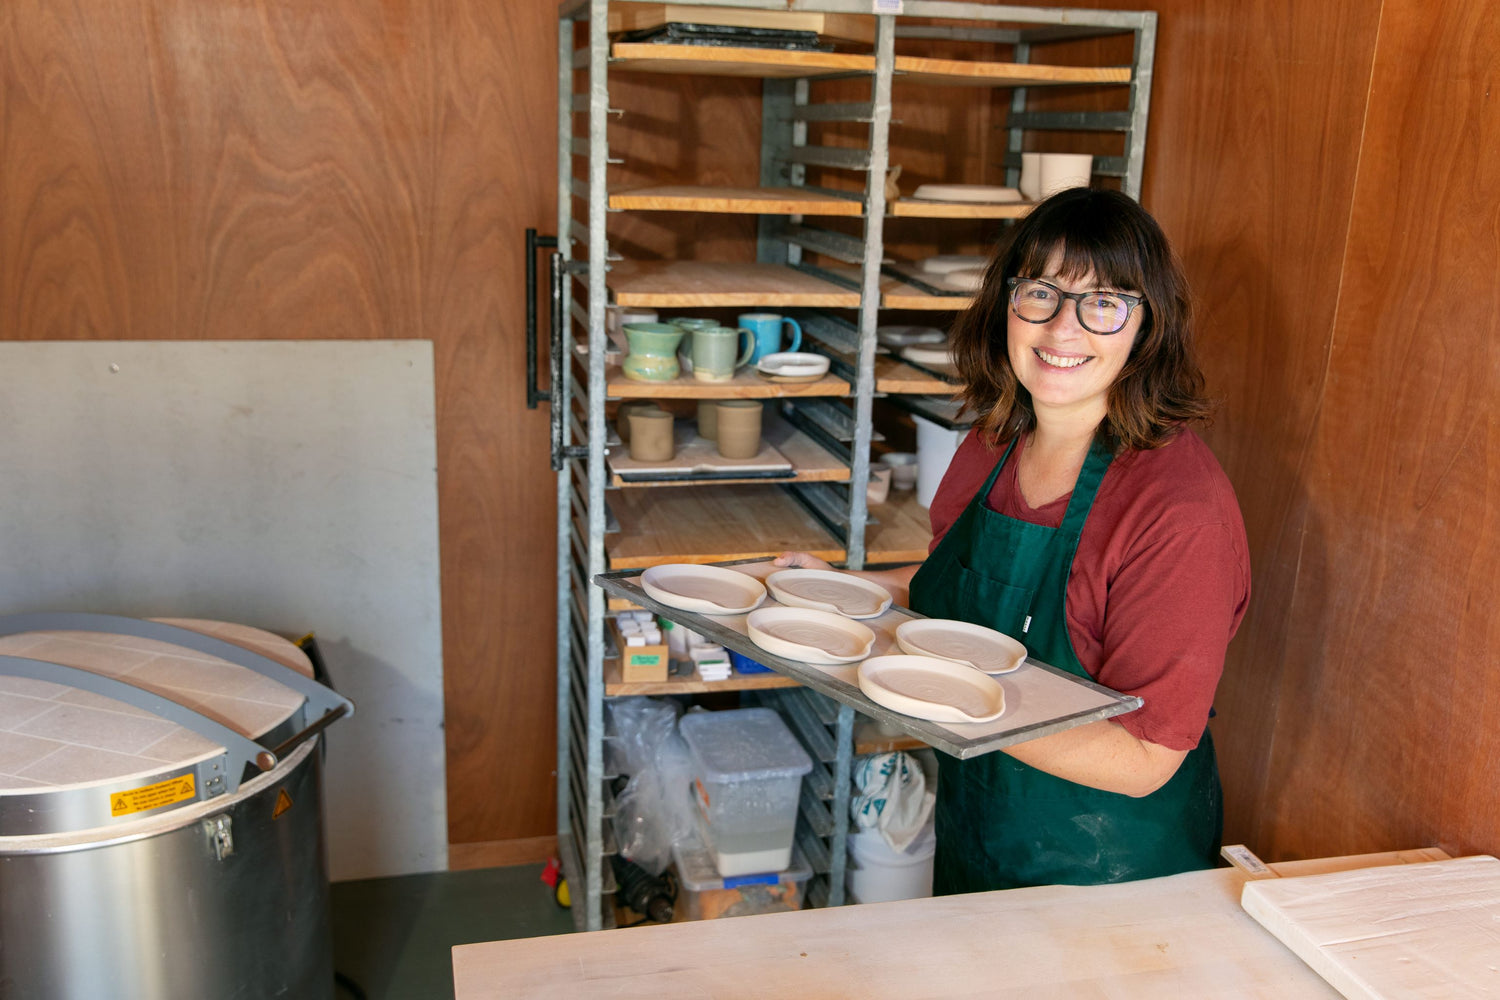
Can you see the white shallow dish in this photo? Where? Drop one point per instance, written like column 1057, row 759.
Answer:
column 950, row 262
column 926, row 687
column 977, row 193
column 962, row 642
column 924, row 354
column 808, row 635
column 968, row 279
column 829, row 590
column 708, row 590
column 902, row 336
column 793, row 363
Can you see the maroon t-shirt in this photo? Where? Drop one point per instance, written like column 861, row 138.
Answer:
column 1159, row 582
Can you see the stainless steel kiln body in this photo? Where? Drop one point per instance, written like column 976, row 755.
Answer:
column 227, row 899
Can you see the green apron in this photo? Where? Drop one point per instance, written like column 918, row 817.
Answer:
column 1002, row 823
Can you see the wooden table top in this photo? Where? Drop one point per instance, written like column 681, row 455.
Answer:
column 1182, row 936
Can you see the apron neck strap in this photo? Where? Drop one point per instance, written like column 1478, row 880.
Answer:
column 1089, row 478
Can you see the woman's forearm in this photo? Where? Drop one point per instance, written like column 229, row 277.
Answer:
column 1102, row 755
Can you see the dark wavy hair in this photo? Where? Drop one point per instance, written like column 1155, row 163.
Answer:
column 1104, row 232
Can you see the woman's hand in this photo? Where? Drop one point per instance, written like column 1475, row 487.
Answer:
column 801, row 560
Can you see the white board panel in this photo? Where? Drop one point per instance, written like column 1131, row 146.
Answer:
column 289, row 485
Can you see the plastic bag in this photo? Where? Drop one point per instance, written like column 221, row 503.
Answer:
column 652, row 809
column 892, row 797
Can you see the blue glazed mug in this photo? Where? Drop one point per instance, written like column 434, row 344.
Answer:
column 767, row 330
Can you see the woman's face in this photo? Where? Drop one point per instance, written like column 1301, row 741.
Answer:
column 1067, row 369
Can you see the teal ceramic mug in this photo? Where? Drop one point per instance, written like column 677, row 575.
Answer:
column 653, row 352
column 716, row 352
column 767, row 330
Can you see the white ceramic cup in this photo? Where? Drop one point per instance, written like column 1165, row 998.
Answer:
column 1059, row 171
column 1030, row 184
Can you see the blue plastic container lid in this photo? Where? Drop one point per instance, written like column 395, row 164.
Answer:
column 745, row 665
column 743, row 744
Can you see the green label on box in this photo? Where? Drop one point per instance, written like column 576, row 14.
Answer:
column 645, row 659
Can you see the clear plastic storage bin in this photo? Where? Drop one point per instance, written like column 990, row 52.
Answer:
column 748, row 770
column 704, row 894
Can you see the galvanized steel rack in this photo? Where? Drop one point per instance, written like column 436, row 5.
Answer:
column 580, row 294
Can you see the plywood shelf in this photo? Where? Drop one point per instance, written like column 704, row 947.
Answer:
column 904, row 531
column 614, row 687
column 706, row 60
column 644, row 16
column 964, row 73
column 734, row 201
column 897, row 294
column 917, row 208
column 745, row 384
column 811, row 462
column 689, row 284
column 713, row 524
column 895, row 377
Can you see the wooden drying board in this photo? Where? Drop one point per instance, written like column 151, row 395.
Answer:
column 712, row 524
column 706, row 60
column 893, row 375
column 644, row 16
column 1040, row 699
column 734, row 201
column 810, row 461
column 686, row 284
column 1180, row 936
column 965, row 73
column 745, row 384
column 897, row 294
column 923, row 209
column 903, row 533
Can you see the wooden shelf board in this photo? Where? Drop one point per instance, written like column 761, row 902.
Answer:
column 904, row 531
column 734, row 201
column 892, row 375
column 746, row 384
column 922, row 209
column 706, row 60
column 644, row 16
column 713, row 524
column 897, row 294
column 811, row 462
column 614, row 687
column 869, row 739
column 964, row 73
column 686, row 284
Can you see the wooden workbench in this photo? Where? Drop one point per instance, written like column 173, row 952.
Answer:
column 1182, row 936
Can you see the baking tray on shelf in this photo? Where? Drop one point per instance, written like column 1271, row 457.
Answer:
column 1040, row 699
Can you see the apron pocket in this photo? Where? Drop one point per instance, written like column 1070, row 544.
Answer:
column 994, row 604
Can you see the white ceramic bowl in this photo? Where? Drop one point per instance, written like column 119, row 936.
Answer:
column 793, row 364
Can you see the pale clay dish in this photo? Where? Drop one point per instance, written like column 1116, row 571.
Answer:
column 829, row 590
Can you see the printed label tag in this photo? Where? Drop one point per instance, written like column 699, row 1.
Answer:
column 886, row 6
column 163, row 793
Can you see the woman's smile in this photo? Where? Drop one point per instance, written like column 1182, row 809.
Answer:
column 1061, row 360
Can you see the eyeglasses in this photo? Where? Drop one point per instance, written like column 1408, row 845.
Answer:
column 1098, row 311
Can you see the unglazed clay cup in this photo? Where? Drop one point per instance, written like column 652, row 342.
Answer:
column 708, row 419
column 879, row 487
column 903, row 469
column 622, row 416
column 738, row 430
column 651, row 435
column 1060, row 171
column 1030, row 184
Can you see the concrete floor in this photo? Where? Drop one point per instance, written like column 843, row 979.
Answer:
column 393, row 937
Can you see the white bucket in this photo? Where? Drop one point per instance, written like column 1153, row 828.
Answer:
column 935, row 448
column 878, row 874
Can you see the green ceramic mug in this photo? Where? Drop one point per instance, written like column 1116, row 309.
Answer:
column 717, row 353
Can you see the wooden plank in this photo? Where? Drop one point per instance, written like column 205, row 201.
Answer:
column 745, row 384
column 904, row 531
column 699, row 284
column 644, row 16
column 897, row 294
column 919, row 208
column 614, row 687
column 702, row 60
column 869, row 737
column 712, row 524
column 734, row 201
column 810, row 461
column 1183, row 936
column 892, row 375
column 964, row 73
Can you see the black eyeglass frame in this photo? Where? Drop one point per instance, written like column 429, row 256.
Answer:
column 1131, row 302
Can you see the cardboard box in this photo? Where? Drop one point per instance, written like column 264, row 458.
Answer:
column 641, row 664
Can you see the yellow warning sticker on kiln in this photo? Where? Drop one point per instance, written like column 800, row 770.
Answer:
column 283, row 803
column 163, row 793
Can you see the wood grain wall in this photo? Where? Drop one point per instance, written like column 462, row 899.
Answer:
column 269, row 170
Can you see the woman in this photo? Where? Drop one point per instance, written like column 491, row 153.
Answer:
column 1083, row 517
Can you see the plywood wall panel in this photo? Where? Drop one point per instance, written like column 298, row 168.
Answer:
column 1390, row 670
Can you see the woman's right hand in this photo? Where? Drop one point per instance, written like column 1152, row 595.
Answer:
column 801, row 560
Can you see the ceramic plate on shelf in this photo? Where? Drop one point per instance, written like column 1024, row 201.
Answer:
column 793, row 364
column 708, row 590
column 949, row 262
column 829, row 590
column 973, row 645
column 926, row 687
column 903, row 336
column 925, row 354
column 808, row 635
column 984, row 194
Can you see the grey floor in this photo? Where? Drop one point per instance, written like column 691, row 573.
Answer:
column 392, row 937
